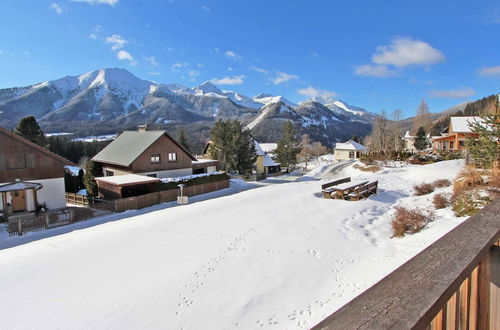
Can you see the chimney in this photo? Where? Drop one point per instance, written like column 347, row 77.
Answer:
column 142, row 128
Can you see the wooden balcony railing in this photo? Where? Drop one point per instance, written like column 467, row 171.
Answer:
column 453, row 284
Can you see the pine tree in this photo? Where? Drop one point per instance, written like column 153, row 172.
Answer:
column 29, row 129
column 421, row 141
column 181, row 138
column 92, row 170
column 233, row 146
column 288, row 147
column 485, row 150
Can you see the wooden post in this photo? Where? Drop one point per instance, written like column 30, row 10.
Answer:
column 483, row 302
column 47, row 220
column 495, row 288
column 19, row 227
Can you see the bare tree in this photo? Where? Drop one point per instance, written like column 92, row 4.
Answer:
column 396, row 117
column 379, row 136
column 422, row 118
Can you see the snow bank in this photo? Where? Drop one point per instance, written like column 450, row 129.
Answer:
column 277, row 257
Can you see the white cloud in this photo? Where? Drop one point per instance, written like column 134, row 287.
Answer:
column 315, row 92
column 206, row 8
column 490, row 71
column 282, row 77
column 154, row 73
column 232, row 55
column 124, row 55
column 260, row 70
column 406, row 51
column 176, row 67
column 95, row 32
column 116, row 41
column 460, row 93
column 58, row 9
column 193, row 73
column 236, row 80
column 99, row 2
column 229, row 69
column 379, row 71
column 151, row 60
column 314, row 54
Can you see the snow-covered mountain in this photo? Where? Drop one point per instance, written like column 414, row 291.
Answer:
column 116, row 99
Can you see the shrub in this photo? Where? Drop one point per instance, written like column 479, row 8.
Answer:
column 440, row 201
column 423, row 189
column 441, row 183
column 409, row 220
column 469, row 203
column 368, row 168
column 466, row 180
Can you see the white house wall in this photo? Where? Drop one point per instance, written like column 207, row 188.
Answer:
column 52, row 193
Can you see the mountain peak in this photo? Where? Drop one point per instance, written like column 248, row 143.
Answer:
column 208, row 87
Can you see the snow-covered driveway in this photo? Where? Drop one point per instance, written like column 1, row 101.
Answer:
column 276, row 257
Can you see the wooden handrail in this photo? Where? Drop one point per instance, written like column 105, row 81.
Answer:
column 414, row 294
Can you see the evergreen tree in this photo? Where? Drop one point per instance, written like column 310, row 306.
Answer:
column 421, row 141
column 243, row 153
column 486, row 149
column 91, row 171
column 288, row 147
column 29, row 129
column 233, row 146
column 181, row 138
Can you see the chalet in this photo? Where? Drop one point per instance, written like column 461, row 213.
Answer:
column 265, row 164
column 454, row 136
column 151, row 153
column 30, row 176
column 348, row 150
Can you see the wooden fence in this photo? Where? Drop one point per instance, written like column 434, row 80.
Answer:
column 20, row 225
column 139, row 202
column 77, row 199
column 453, row 284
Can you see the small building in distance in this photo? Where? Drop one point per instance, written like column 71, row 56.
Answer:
column 152, row 153
column 454, row 136
column 265, row 164
column 30, row 176
column 348, row 150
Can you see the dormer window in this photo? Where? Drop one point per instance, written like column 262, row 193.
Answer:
column 172, row 157
column 155, row 159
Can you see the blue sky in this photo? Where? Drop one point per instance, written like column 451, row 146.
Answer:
column 374, row 54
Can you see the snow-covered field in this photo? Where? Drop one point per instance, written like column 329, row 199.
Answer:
column 277, row 256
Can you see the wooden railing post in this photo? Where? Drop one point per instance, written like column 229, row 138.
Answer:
column 19, row 227
column 495, row 288
column 483, row 302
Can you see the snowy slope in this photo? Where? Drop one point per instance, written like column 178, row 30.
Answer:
column 274, row 257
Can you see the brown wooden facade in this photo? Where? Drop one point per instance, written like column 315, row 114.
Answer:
column 452, row 142
column 23, row 160
column 162, row 147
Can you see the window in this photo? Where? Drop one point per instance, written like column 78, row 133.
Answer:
column 109, row 173
column 172, row 157
column 351, row 154
column 155, row 158
column 461, row 143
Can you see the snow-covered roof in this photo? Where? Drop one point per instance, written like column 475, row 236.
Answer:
column 408, row 135
column 74, row 170
column 349, row 145
column 268, row 161
column 127, row 179
column 258, row 149
column 268, row 147
column 20, row 186
column 461, row 124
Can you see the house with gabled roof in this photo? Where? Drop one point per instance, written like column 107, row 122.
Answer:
column 152, row 153
column 348, row 150
column 454, row 136
column 30, row 176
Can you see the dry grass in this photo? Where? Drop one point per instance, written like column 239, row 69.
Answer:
column 469, row 178
column 368, row 168
column 440, row 201
column 441, row 183
column 409, row 220
column 423, row 189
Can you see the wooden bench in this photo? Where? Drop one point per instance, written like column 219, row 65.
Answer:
column 328, row 192
column 364, row 191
